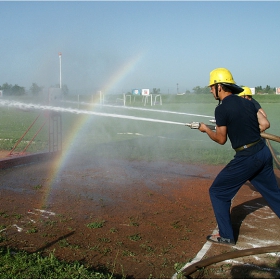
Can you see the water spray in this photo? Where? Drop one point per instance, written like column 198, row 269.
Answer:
column 78, row 111
column 143, row 109
column 193, row 125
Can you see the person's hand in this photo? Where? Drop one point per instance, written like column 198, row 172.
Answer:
column 202, row 127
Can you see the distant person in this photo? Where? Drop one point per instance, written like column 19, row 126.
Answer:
column 247, row 93
column 238, row 120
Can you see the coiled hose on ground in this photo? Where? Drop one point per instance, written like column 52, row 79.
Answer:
column 273, row 153
column 227, row 256
column 275, row 138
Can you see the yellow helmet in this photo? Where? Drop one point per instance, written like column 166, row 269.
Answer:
column 246, row 91
column 224, row 76
column 221, row 75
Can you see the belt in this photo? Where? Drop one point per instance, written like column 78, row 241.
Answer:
column 246, row 146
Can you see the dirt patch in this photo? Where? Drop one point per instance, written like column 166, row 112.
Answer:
column 138, row 219
column 4, row 154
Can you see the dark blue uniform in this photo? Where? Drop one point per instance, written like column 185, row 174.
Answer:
column 255, row 163
column 256, row 103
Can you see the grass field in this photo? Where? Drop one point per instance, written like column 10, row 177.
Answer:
column 112, row 136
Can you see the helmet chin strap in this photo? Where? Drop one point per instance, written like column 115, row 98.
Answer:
column 217, row 95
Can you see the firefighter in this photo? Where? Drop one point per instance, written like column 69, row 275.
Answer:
column 238, row 120
column 247, row 93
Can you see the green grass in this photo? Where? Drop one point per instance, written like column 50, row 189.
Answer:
column 15, row 122
column 22, row 265
column 96, row 224
column 135, row 237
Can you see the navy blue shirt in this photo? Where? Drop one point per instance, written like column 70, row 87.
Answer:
column 239, row 115
column 256, row 103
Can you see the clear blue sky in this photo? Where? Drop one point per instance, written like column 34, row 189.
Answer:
column 117, row 46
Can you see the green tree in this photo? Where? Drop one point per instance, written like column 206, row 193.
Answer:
column 17, row 90
column 199, row 90
column 267, row 89
column 35, row 89
column 259, row 90
column 156, row 91
column 8, row 89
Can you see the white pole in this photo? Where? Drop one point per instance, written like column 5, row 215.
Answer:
column 59, row 54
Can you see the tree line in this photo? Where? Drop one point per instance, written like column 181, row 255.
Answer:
column 258, row 90
column 205, row 90
column 16, row 90
column 12, row 90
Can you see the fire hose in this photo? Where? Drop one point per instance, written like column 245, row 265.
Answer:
column 266, row 136
column 273, row 153
column 196, row 125
column 227, row 256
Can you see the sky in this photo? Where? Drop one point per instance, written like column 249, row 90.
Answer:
column 117, row 46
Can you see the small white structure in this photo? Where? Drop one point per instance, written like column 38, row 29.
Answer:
column 126, row 96
column 54, row 95
column 158, row 96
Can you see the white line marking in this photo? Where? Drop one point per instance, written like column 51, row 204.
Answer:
column 46, row 212
column 32, row 221
column 19, row 229
column 199, row 255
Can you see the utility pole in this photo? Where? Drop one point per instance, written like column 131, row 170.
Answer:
column 177, row 88
column 59, row 55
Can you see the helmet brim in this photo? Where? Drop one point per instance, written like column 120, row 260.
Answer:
column 234, row 88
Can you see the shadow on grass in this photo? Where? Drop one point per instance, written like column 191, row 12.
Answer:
column 49, row 244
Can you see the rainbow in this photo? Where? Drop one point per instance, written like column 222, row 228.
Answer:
column 82, row 122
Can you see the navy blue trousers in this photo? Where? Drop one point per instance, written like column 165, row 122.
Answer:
column 258, row 169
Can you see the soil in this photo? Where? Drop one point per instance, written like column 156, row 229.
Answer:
column 135, row 219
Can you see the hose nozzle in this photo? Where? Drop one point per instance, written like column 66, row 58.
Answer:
column 196, row 125
column 193, row 125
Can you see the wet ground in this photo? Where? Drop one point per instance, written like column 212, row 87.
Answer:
column 138, row 219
